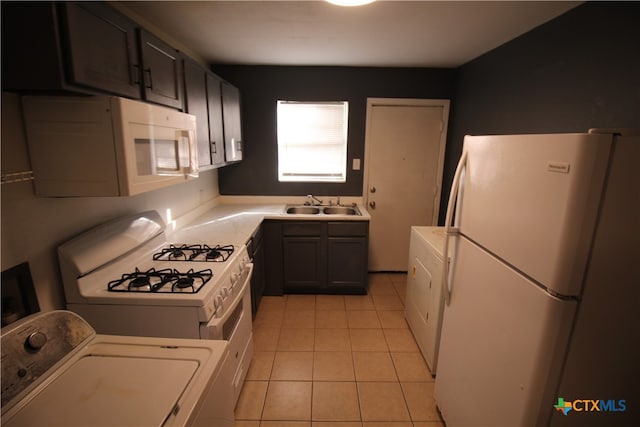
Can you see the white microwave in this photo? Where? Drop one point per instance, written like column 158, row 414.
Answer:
column 107, row 146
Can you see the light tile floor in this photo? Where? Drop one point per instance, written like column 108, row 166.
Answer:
column 337, row 361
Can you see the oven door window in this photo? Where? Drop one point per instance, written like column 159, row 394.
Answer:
column 157, row 157
column 230, row 325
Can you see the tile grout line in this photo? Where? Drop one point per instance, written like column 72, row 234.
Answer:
column 376, row 308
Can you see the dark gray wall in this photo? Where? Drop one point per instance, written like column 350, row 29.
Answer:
column 262, row 86
column 579, row 71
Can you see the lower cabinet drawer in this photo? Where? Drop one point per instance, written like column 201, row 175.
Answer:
column 350, row 228
column 302, row 228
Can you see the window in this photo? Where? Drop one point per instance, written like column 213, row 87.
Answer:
column 312, row 141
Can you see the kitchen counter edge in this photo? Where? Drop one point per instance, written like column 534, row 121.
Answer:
column 235, row 223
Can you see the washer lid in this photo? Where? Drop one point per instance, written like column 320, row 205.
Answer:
column 110, row 391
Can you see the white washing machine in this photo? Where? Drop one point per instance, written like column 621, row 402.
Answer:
column 424, row 303
column 57, row 372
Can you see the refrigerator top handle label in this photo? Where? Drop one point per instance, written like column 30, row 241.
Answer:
column 559, row 167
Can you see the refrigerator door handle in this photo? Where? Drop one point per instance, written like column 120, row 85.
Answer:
column 448, row 228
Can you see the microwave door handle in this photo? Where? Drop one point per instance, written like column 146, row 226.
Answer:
column 191, row 168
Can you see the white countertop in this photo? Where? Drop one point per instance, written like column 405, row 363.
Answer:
column 234, row 223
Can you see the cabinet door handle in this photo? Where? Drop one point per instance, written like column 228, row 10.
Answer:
column 135, row 74
column 147, row 73
column 372, row 189
column 372, row 204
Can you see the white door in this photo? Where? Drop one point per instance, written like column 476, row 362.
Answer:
column 404, row 158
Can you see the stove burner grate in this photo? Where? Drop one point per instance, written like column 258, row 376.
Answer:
column 161, row 281
column 196, row 253
column 191, row 281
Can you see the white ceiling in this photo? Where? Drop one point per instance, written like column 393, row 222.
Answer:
column 387, row 33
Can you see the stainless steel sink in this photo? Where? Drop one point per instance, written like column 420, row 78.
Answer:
column 312, row 210
column 326, row 210
column 341, row 210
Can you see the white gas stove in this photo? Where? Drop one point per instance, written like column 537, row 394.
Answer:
column 57, row 371
column 125, row 278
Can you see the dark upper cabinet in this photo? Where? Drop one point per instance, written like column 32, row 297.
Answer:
column 114, row 66
column 195, row 101
column 216, row 133
column 161, row 71
column 85, row 47
column 80, row 47
column 203, row 99
column 233, row 146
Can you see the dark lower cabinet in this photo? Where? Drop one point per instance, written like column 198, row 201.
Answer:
column 303, row 261
column 316, row 257
column 346, row 264
column 255, row 247
column 272, row 257
column 347, row 252
column 303, row 256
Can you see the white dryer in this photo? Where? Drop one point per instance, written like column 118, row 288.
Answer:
column 424, row 303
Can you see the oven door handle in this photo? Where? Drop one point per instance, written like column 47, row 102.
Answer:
column 228, row 307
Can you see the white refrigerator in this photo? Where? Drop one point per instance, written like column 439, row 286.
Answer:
column 543, row 287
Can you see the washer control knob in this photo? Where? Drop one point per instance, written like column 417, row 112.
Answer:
column 35, row 341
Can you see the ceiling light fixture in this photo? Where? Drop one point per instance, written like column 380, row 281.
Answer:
column 350, row 2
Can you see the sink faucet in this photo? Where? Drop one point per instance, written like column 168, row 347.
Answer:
column 310, row 200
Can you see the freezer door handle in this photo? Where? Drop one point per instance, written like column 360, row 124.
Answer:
column 448, row 228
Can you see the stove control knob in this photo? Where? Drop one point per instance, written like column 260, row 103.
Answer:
column 225, row 292
column 35, row 341
column 217, row 303
column 234, row 278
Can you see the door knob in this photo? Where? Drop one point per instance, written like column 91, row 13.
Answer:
column 372, row 189
column 372, row 204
